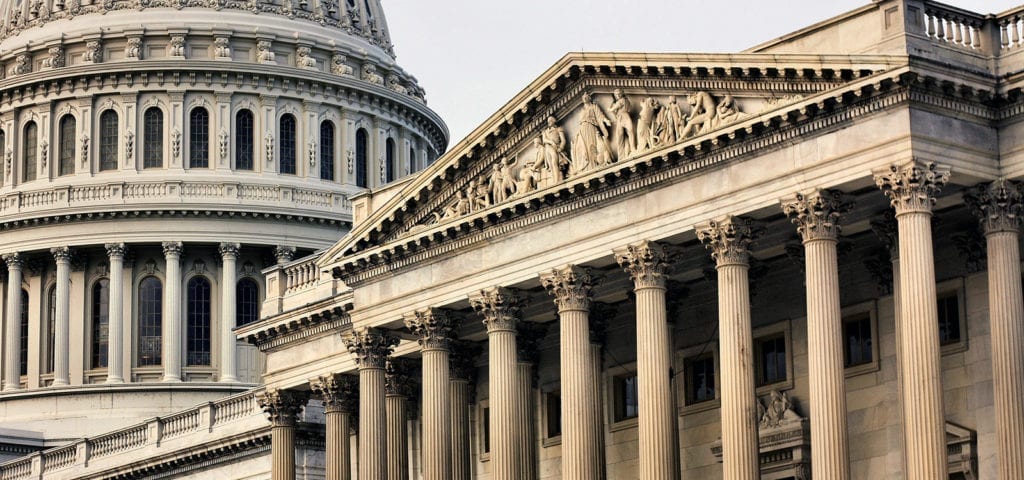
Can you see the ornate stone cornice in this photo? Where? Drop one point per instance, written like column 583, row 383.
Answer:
column 172, row 249
column 571, row 285
column 528, row 338
column 816, row 215
column 462, row 363
column 282, row 406
column 115, row 250
column 14, row 261
column 500, row 307
column 911, row 187
column 229, row 250
column 646, row 263
column 435, row 327
column 998, row 205
column 400, row 377
column 338, row 392
column 729, row 239
column 61, row 254
column 371, row 346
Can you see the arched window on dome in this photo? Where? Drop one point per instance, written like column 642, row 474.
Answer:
column 198, row 322
column 51, row 325
column 247, row 302
column 327, row 150
column 244, row 140
column 199, row 138
column 153, row 138
column 108, row 140
column 288, row 143
column 362, row 158
column 23, row 334
column 66, row 162
column 100, row 323
column 412, row 159
column 28, row 154
column 151, row 311
column 389, row 155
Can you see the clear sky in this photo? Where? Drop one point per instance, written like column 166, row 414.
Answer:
column 472, row 56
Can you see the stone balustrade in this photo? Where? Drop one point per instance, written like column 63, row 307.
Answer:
column 954, row 27
column 295, row 284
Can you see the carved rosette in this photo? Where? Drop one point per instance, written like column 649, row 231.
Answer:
column 911, row 187
column 371, row 346
column 115, row 250
column 646, row 263
column 499, row 306
column 997, row 205
column 462, row 363
column 282, row 406
column 400, row 377
column 14, row 261
column 816, row 215
column 729, row 240
column 229, row 250
column 528, row 338
column 61, row 254
column 435, row 327
column 338, row 392
column 172, row 249
column 571, row 285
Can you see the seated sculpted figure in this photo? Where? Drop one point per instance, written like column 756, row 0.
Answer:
column 702, row 111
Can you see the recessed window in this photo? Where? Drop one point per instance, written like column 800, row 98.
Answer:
column 108, row 140
column 626, row 402
column 51, row 328
column 771, row 359
column 66, row 162
column 153, row 141
column 199, row 138
column 28, row 154
column 553, row 414
column 949, row 318
column 244, row 140
column 150, row 321
column 485, row 430
column 392, row 168
column 288, row 144
column 247, row 307
column 23, row 337
column 326, row 150
column 700, row 378
column 198, row 316
column 857, row 341
column 100, row 322
column 362, row 158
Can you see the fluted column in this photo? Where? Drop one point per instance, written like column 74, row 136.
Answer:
column 115, row 319
column 228, row 368
column 172, row 328
column 340, row 396
column 571, row 286
column 999, row 207
column 462, row 371
column 12, row 346
column 500, row 309
column 436, row 330
column 910, row 188
column 527, row 355
column 371, row 347
column 283, row 408
column 729, row 241
column 646, row 262
column 398, row 387
column 817, row 219
column 62, row 322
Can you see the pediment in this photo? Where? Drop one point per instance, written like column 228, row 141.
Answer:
column 594, row 114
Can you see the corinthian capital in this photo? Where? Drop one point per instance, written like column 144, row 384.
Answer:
column 499, row 306
column 282, row 406
column 371, row 346
column 571, row 286
column 337, row 391
column 434, row 327
column 61, row 254
column 399, row 377
column 816, row 215
column 172, row 249
column 115, row 250
column 645, row 262
column 14, row 261
column 728, row 239
column 911, row 187
column 997, row 205
column 229, row 250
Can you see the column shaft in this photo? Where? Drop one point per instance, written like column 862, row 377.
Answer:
column 115, row 324
column 282, row 452
column 62, row 323
column 172, row 328
column 501, row 393
column 339, row 457
column 437, row 450
column 228, row 369
column 1006, row 313
column 654, row 360
column 580, row 446
column 459, row 389
column 397, row 438
column 739, row 424
column 372, row 425
column 526, row 450
column 12, row 346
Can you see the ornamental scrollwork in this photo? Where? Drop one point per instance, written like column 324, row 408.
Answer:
column 500, row 307
column 912, row 186
column 434, row 327
column 571, row 286
column 997, row 205
column 370, row 74
column 729, row 239
column 370, row 346
column 282, row 406
column 816, row 215
column 338, row 392
column 646, row 263
column 176, row 143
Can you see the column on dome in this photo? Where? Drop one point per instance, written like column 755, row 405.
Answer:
column 572, row 288
column 371, row 348
column 999, row 206
column 501, row 309
column 283, row 408
column 462, row 372
column 911, row 188
column 172, row 328
column 528, row 337
column 228, row 350
column 62, row 322
column 340, row 396
column 729, row 240
column 436, row 331
column 817, row 219
column 12, row 332
column 115, row 322
column 399, row 387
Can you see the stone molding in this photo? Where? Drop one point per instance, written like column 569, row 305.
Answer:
column 571, row 285
column 912, row 186
column 371, row 347
column 338, row 392
column 435, row 327
column 998, row 205
column 816, row 215
column 729, row 239
column 298, row 326
column 500, row 307
column 646, row 263
column 282, row 406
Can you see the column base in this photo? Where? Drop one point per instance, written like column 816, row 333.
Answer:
column 171, row 380
column 11, row 388
column 114, row 380
column 229, row 380
column 60, row 383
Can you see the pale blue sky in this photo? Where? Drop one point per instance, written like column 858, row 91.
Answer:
column 472, row 56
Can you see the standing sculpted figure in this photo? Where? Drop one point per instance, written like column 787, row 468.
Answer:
column 553, row 140
column 673, row 120
column 624, row 135
column 646, row 131
column 702, row 112
column 590, row 147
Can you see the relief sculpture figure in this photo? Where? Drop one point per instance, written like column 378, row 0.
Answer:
column 590, row 148
column 672, row 120
column 553, row 141
column 501, row 184
column 624, row 136
column 479, row 195
column 646, row 131
column 727, row 112
column 702, row 112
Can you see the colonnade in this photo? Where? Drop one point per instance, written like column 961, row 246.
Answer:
column 910, row 187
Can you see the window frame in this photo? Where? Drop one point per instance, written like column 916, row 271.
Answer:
column 257, row 303
column 947, row 288
column 546, row 439
column 239, row 139
column 287, row 145
column 199, row 138
column 209, row 327
column 611, row 377
column 93, row 313
column 682, row 358
column 850, row 312
column 767, row 332
column 362, row 158
column 391, row 160
column 149, row 145
column 327, row 151
column 105, row 145
column 483, row 430
column 67, row 145
column 30, row 152
column 158, row 312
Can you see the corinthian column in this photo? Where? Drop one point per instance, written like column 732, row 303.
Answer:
column 999, row 207
column 500, row 309
column 12, row 347
column 646, row 262
column 529, row 336
column 729, row 241
column 228, row 369
column 436, row 330
column 371, row 348
column 340, row 396
column 581, row 448
column 399, row 388
column 115, row 323
column 817, row 220
column 172, row 313
column 62, row 324
column 462, row 372
column 283, row 407
column 910, row 188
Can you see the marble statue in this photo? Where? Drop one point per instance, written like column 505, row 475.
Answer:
column 778, row 411
column 264, row 54
column 133, row 49
column 338, row 65
column 646, row 131
column 479, row 194
column 92, row 52
column 553, row 143
column 672, row 120
column 702, row 111
column 370, row 74
column 501, row 183
column 727, row 112
column 395, row 85
column 21, row 65
column 177, row 46
column 624, row 133
column 590, row 148
column 221, row 48
column 54, row 58
column 304, row 58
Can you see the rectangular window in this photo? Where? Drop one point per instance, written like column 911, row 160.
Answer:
column 949, row 318
column 771, row 359
column 485, row 430
column 626, row 403
column 857, row 342
column 553, row 414
column 700, row 379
